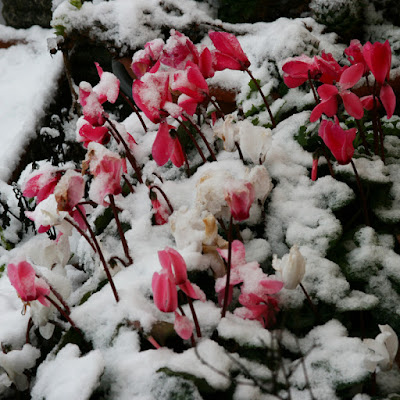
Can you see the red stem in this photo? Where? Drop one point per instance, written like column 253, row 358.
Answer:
column 135, row 109
column 63, row 313
column 263, row 97
column 128, row 153
column 195, row 320
column 102, row 259
column 228, row 270
column 120, row 231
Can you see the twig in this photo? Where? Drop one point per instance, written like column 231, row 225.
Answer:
column 228, row 271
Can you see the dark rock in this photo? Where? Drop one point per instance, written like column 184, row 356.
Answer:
column 25, row 13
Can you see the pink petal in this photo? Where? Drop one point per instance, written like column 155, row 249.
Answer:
column 327, row 91
column 163, row 145
column 165, row 295
column 378, row 57
column 314, row 169
column 352, row 104
column 388, row 99
column 206, row 61
column 222, row 61
column 292, row 82
column 228, row 44
column 177, row 156
column 22, row 277
column 271, row 286
column 351, row 76
column 178, row 265
column 183, row 326
column 367, row 102
column 328, row 107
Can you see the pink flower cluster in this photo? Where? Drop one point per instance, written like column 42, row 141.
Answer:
column 256, row 287
column 337, row 81
column 172, row 82
column 165, row 294
column 92, row 127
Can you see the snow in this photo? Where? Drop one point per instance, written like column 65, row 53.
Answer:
column 68, row 376
column 22, row 106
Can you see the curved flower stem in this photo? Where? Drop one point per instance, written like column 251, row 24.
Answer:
column 202, row 137
column 128, row 153
column 63, row 313
column 192, row 139
column 381, row 137
column 239, row 150
column 228, row 270
column 317, row 100
column 102, row 259
column 195, row 320
column 77, row 227
column 134, row 108
column 328, row 161
column 120, row 231
column 312, row 305
column 130, row 186
column 153, row 186
column 215, row 104
column 263, row 97
column 363, row 199
column 28, row 329
column 362, row 134
column 119, row 259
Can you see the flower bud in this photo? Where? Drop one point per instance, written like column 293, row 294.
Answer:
column 291, row 268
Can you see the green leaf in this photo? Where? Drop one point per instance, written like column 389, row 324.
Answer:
column 59, row 30
column 76, row 3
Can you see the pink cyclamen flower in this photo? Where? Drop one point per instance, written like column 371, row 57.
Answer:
column 387, row 99
column 178, row 50
column 329, row 69
column 107, row 168
column 329, row 93
column 262, row 309
column 355, row 54
column 91, row 133
column 42, row 183
column 338, row 140
column 108, row 87
column 151, row 93
column 144, row 60
column 69, row 190
column 229, row 53
column 378, row 57
column 191, row 82
column 165, row 295
column 239, row 195
column 29, row 288
column 297, row 70
column 161, row 212
column 167, row 146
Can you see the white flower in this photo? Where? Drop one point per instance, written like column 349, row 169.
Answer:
column 228, row 131
column 46, row 213
column 383, row 349
column 255, row 141
column 291, row 268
